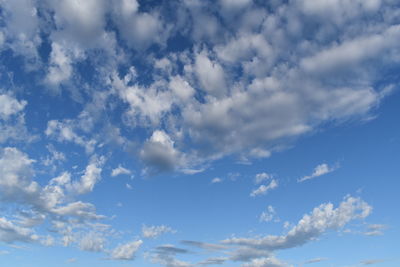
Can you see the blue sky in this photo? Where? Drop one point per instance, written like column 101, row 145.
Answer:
column 199, row 133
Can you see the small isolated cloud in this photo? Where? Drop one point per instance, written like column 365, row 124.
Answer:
column 375, row 229
column 128, row 186
column 371, row 262
column 216, row 180
column 71, row 260
column 269, row 215
column 155, row 231
column 318, row 171
column 315, row 260
column 119, row 171
column 260, row 177
column 264, row 189
column 126, row 251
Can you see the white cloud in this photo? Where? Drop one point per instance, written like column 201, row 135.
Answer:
column 266, row 262
column 89, row 179
column 10, row 106
column 10, row 233
column 160, row 153
column 79, row 209
column 375, row 229
column 92, row 242
column 268, row 215
column 315, row 260
column 210, row 74
column 322, row 218
column 119, row 171
column 264, row 189
column 261, row 177
column 66, row 131
column 216, row 180
column 126, row 251
column 318, row 171
column 155, row 231
column 16, row 176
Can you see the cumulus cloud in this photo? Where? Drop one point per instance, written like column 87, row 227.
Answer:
column 12, row 119
column 318, row 171
column 232, row 88
column 10, row 106
column 264, row 189
column 160, row 153
column 10, row 232
column 155, row 231
column 16, row 176
column 126, row 251
column 89, row 179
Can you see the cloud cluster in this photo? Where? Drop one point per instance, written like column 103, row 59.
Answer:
column 243, row 83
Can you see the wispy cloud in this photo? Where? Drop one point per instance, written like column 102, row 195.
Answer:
column 319, row 171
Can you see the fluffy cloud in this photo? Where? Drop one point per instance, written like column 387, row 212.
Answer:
column 268, row 215
column 16, row 176
column 155, row 231
column 126, row 251
column 10, row 106
column 12, row 119
column 159, row 152
column 264, row 189
column 234, row 88
column 10, row 233
column 260, row 177
column 89, row 179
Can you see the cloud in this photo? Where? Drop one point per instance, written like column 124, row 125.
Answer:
column 16, row 176
column 216, row 180
column 155, row 231
column 264, row 189
column 202, row 245
column 12, row 119
column 80, row 210
column 318, row 171
column 120, row 170
column 165, row 255
column 159, row 152
column 10, row 233
column 324, row 217
column 92, row 242
column 10, row 106
column 315, row 260
column 260, row 177
column 371, row 262
column 89, row 179
column 268, row 215
column 375, row 229
column 126, row 251
column 266, row 262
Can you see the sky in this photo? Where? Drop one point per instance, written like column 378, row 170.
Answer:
column 199, row 133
